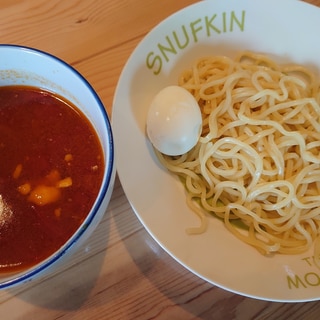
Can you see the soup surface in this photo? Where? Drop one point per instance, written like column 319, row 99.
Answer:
column 51, row 169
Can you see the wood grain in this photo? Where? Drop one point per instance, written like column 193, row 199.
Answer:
column 120, row 272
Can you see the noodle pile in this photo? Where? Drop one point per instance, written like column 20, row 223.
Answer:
column 258, row 158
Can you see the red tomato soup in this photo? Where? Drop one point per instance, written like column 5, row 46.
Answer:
column 51, row 169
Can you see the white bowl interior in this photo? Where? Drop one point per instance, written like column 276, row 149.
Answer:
column 209, row 28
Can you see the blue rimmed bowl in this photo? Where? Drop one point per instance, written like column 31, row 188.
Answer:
column 31, row 67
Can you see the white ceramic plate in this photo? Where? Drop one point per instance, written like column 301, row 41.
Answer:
column 287, row 30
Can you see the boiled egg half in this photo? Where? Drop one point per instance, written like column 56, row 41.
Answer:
column 174, row 121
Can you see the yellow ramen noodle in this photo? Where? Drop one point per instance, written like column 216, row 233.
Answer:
column 258, row 158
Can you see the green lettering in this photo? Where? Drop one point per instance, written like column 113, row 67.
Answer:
column 296, row 282
column 224, row 22
column 170, row 49
column 195, row 30
column 312, row 279
column 234, row 20
column 154, row 62
column 186, row 38
column 307, row 260
column 180, row 40
column 209, row 25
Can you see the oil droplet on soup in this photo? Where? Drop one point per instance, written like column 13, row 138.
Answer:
column 47, row 185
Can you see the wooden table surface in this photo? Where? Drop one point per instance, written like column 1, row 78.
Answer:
column 120, row 272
